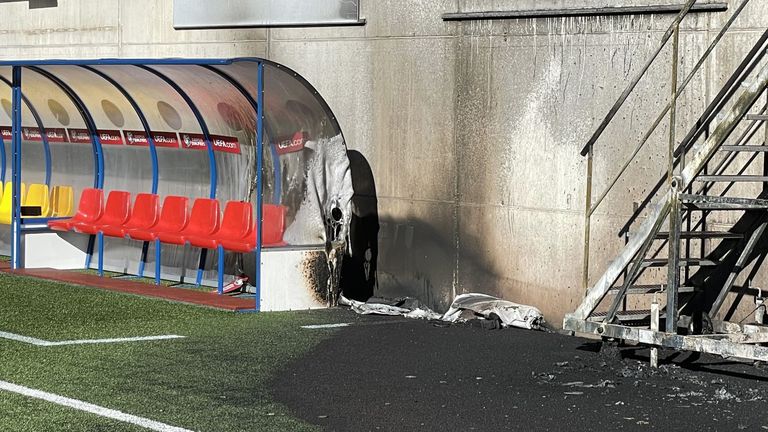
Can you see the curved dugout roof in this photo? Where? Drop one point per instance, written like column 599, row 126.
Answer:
column 172, row 127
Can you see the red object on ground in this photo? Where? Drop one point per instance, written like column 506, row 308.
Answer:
column 203, row 222
column 89, row 210
column 174, row 216
column 145, row 214
column 234, row 286
column 235, row 225
column 116, row 212
column 273, row 227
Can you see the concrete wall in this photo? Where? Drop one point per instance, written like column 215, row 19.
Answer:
column 471, row 131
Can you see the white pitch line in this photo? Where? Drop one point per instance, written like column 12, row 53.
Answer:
column 115, row 340
column 325, row 326
column 41, row 342
column 20, row 338
column 91, row 408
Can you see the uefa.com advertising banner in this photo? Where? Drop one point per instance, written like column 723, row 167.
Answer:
column 190, row 141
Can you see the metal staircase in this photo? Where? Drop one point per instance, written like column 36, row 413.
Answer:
column 674, row 253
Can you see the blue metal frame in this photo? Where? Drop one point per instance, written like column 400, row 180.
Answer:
column 43, row 135
column 153, row 156
column 259, row 183
column 16, row 169
column 211, row 158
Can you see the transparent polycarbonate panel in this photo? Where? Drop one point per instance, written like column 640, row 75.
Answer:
column 231, row 122
column 245, row 73
column 33, row 161
column 182, row 171
column 126, row 167
column 259, row 13
column 5, row 122
column 72, row 161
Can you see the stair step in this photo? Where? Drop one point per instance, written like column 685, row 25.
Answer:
column 629, row 315
column 732, row 178
column 697, row 262
column 702, row 235
column 706, row 202
column 744, row 148
column 651, row 289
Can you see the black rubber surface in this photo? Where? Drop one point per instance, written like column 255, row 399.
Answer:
column 406, row 375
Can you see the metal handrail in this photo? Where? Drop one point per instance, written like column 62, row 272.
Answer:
column 631, row 87
column 668, row 107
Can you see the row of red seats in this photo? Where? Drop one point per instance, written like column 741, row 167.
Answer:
column 174, row 223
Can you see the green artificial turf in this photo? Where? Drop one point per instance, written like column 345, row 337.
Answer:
column 215, row 379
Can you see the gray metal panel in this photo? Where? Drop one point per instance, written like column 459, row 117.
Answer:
column 263, row 13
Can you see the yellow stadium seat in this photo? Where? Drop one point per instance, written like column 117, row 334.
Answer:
column 62, row 201
column 6, row 200
column 37, row 196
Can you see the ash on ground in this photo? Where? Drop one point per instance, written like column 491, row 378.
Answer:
column 683, row 380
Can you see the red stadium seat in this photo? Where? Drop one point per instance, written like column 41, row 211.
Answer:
column 273, row 227
column 146, row 211
column 116, row 212
column 89, row 210
column 174, row 216
column 203, row 222
column 235, row 225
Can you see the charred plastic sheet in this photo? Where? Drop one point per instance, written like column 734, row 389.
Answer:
column 465, row 307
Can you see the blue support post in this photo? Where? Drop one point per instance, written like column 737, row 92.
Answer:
column 16, row 169
column 143, row 262
column 201, row 266
column 101, row 253
column 157, row 261
column 220, row 278
column 89, row 251
column 259, row 183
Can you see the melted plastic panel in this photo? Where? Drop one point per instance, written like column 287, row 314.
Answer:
column 316, row 186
